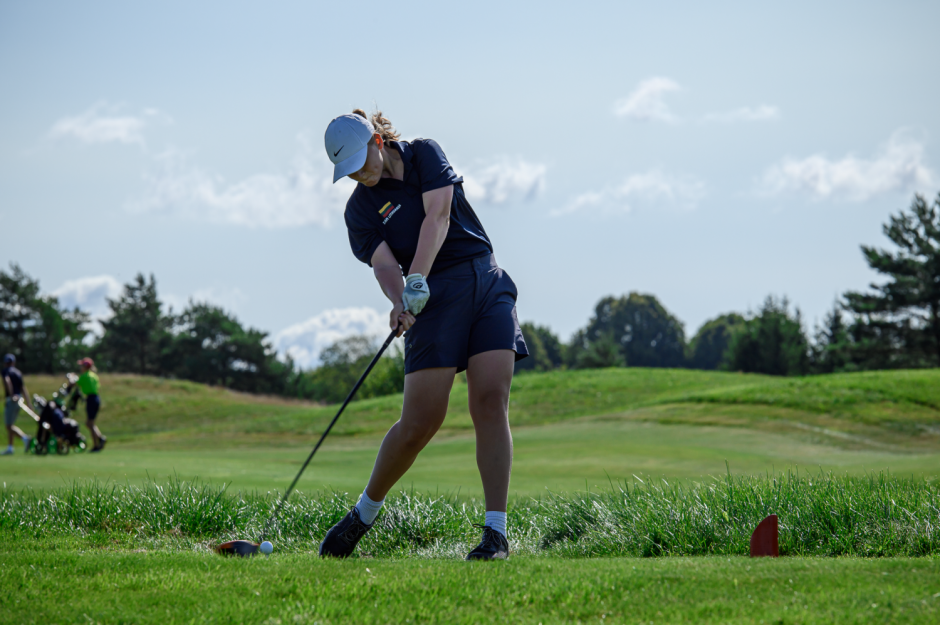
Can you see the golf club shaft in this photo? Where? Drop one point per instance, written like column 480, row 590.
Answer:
column 349, row 397
column 28, row 410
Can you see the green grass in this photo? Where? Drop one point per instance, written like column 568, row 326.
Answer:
column 151, row 411
column 572, row 430
column 819, row 514
column 133, row 544
column 170, row 588
column 561, row 457
column 111, row 554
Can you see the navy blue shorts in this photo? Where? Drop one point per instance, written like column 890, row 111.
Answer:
column 472, row 309
column 92, row 404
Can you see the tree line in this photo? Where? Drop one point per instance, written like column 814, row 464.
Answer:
column 896, row 324
column 203, row 343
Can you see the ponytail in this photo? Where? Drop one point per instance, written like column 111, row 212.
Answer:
column 382, row 125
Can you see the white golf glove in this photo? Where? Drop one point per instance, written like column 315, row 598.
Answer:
column 416, row 293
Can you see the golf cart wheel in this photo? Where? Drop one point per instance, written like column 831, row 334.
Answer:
column 62, row 448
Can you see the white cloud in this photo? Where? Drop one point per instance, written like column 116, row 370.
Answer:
column 103, row 123
column 651, row 188
column 898, row 166
column 646, row 101
column 304, row 341
column 760, row 113
column 301, row 196
column 90, row 294
column 505, row 180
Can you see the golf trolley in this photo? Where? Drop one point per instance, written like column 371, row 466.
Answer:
column 57, row 433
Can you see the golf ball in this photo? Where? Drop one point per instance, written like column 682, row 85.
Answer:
column 266, row 547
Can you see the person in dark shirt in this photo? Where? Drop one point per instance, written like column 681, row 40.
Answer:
column 409, row 217
column 15, row 388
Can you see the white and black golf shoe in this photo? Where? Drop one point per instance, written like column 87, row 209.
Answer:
column 494, row 546
column 343, row 537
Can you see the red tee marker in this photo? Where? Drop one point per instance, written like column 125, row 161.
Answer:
column 764, row 539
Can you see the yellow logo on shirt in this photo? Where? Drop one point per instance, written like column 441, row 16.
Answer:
column 387, row 212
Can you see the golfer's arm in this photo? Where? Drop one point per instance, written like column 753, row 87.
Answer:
column 433, row 228
column 388, row 273
column 9, row 385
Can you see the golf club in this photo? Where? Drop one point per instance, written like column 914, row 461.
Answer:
column 28, row 410
column 246, row 548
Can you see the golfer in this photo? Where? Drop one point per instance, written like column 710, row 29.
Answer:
column 89, row 384
column 408, row 216
column 15, row 388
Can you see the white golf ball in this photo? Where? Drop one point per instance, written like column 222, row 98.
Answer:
column 266, row 547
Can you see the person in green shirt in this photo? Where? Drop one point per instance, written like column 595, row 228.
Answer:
column 89, row 384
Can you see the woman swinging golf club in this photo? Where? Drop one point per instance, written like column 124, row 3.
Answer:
column 409, row 216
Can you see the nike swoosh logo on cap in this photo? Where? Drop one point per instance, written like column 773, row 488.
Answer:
column 339, row 150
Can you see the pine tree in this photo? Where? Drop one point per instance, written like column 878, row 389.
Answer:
column 43, row 336
column 898, row 325
column 831, row 343
column 137, row 334
column 770, row 342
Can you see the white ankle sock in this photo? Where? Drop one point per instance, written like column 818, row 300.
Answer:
column 496, row 520
column 368, row 509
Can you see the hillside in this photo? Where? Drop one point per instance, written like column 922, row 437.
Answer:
column 884, row 407
column 572, row 429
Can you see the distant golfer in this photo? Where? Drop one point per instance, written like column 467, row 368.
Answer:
column 15, row 388
column 409, row 216
column 89, row 384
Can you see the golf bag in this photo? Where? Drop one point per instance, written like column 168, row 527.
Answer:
column 57, row 432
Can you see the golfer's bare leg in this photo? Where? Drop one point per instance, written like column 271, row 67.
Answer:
column 489, row 376
column 423, row 412
column 11, row 430
column 95, row 432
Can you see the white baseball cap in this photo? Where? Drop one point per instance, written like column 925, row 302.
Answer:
column 347, row 139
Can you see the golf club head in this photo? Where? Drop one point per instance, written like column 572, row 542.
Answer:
column 241, row 548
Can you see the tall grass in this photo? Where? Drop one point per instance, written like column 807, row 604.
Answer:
column 824, row 514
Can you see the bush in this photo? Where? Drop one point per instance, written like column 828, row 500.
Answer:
column 709, row 347
column 635, row 330
column 546, row 350
column 771, row 342
column 343, row 363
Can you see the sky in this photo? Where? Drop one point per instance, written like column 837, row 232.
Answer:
column 709, row 155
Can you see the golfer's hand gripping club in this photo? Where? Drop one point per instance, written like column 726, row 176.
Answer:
column 416, row 293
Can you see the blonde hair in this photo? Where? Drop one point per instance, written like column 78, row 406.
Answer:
column 382, row 125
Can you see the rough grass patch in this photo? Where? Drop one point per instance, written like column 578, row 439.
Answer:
column 823, row 514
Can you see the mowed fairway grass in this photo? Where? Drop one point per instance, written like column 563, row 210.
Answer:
column 572, row 430
column 117, row 538
column 170, row 588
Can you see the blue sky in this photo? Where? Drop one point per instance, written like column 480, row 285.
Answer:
column 710, row 155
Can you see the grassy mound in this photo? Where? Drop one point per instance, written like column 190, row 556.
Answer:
column 572, row 430
column 860, row 409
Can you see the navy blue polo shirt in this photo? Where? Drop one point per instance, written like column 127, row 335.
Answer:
column 16, row 380
column 393, row 211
